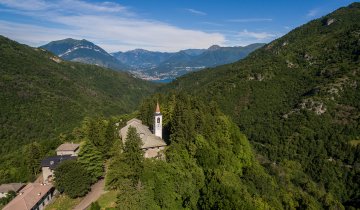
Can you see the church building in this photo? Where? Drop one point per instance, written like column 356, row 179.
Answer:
column 152, row 142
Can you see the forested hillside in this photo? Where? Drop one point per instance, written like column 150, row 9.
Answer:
column 297, row 99
column 42, row 96
column 209, row 164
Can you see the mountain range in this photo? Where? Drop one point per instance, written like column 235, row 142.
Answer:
column 146, row 64
column 164, row 65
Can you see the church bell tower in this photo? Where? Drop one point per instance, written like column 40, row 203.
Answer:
column 158, row 121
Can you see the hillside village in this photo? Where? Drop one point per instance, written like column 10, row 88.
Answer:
column 36, row 195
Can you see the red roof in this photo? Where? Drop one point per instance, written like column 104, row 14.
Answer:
column 29, row 196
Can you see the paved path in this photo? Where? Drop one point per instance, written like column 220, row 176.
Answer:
column 96, row 191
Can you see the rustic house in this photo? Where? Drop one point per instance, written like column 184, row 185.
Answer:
column 49, row 164
column 68, row 149
column 34, row 196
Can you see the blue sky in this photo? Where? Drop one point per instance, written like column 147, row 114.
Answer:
column 158, row 25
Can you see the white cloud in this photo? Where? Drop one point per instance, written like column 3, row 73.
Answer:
column 196, row 12
column 211, row 23
column 312, row 13
column 33, row 35
column 257, row 35
column 25, row 5
column 84, row 7
column 63, row 5
column 249, row 20
column 110, row 25
column 246, row 37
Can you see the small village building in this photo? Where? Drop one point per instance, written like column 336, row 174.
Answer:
column 68, row 149
column 152, row 143
column 34, row 196
column 49, row 164
column 5, row 188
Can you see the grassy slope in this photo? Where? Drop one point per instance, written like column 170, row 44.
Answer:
column 63, row 202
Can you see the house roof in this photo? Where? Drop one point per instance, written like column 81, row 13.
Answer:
column 29, row 196
column 53, row 161
column 148, row 139
column 4, row 188
column 68, row 147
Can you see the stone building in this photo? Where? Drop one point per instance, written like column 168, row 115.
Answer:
column 49, row 164
column 65, row 151
column 152, row 143
column 68, row 149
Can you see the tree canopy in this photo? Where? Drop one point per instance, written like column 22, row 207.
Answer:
column 72, row 179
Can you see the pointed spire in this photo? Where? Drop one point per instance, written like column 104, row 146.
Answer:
column 157, row 108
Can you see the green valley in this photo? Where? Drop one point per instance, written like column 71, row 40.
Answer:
column 43, row 96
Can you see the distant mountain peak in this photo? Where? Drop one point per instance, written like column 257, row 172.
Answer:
column 139, row 50
column 83, row 51
column 68, row 39
column 214, row 47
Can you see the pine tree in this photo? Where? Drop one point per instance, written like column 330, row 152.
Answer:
column 111, row 136
column 117, row 169
column 92, row 160
column 72, row 179
column 33, row 155
column 133, row 154
column 132, row 196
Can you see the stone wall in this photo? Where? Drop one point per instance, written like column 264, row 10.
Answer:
column 72, row 153
column 153, row 152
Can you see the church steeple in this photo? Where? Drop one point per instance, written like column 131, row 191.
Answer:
column 158, row 121
column 157, row 108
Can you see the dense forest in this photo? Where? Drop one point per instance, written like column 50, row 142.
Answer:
column 42, row 96
column 209, row 164
column 297, row 99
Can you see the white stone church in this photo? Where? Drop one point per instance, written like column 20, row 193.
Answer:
column 153, row 143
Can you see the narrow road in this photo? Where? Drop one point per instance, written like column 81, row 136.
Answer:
column 96, row 191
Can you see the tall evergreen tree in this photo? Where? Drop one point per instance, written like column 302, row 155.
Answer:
column 92, row 160
column 132, row 196
column 133, row 154
column 72, row 178
column 33, row 155
column 111, row 136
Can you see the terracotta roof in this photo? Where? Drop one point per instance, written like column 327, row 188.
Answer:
column 4, row 188
column 149, row 140
column 29, row 196
column 68, row 147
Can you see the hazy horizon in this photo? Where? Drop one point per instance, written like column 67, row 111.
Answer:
column 165, row 26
